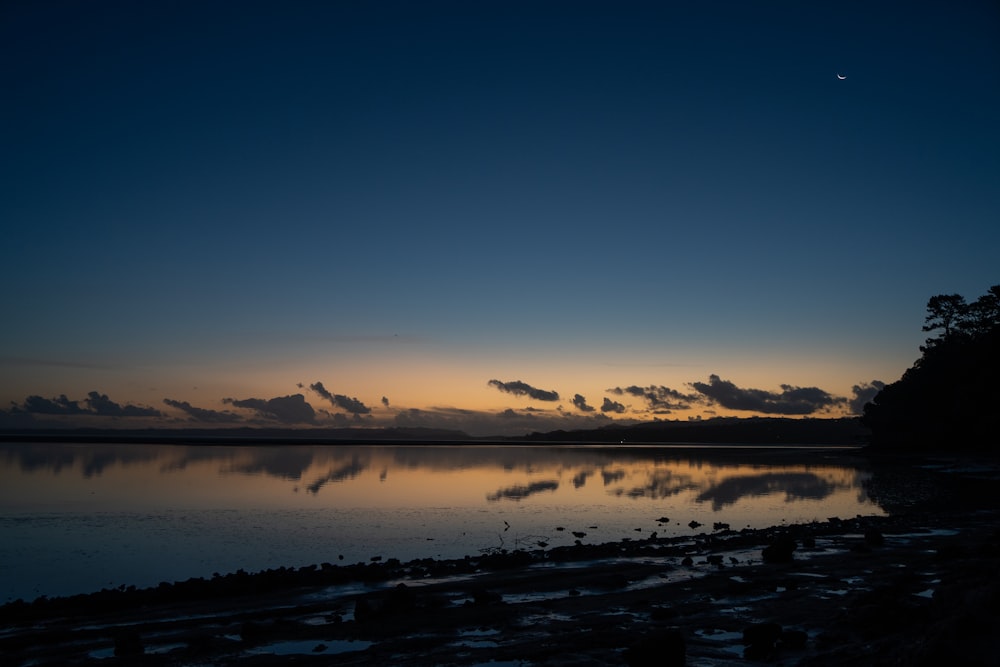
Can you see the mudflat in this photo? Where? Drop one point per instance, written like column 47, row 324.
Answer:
column 916, row 587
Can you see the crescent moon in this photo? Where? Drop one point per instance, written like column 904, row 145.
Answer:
column 841, row 77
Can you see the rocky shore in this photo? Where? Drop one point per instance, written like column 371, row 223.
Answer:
column 918, row 587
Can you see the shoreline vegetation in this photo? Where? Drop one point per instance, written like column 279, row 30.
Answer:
column 914, row 587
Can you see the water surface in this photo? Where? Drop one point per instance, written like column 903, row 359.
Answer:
column 78, row 518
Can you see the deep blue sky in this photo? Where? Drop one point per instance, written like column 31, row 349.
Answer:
column 214, row 200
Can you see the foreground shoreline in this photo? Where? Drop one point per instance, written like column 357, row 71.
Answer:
column 915, row 587
column 907, row 589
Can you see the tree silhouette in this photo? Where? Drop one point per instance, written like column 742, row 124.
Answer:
column 948, row 399
column 983, row 314
column 944, row 312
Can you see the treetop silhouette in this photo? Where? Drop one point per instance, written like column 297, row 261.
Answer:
column 949, row 398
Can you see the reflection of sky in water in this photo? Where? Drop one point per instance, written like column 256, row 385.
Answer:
column 76, row 518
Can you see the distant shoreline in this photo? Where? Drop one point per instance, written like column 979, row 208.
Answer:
column 512, row 442
column 723, row 432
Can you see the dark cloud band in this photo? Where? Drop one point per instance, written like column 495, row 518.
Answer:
column 345, row 403
column 285, row 409
column 791, row 400
column 518, row 388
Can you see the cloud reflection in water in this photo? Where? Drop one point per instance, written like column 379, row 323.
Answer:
column 520, row 492
column 347, row 471
column 795, row 486
column 662, row 484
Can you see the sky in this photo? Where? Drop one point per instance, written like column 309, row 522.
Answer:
column 500, row 217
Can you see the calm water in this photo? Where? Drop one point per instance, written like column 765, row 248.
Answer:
column 78, row 518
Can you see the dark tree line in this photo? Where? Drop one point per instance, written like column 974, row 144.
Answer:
column 950, row 398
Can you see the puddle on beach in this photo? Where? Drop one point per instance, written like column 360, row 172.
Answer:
column 310, row 647
column 476, row 638
column 474, row 643
column 730, row 642
column 543, row 619
column 836, row 592
column 106, row 653
column 479, row 632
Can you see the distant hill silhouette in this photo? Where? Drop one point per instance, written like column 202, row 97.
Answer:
column 237, row 436
column 950, row 398
column 722, row 430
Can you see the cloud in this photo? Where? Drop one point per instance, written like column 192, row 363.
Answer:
column 96, row 404
column 612, row 406
column 346, row 403
column 791, row 400
column 54, row 406
column 581, row 404
column 385, row 401
column 864, row 393
column 659, row 398
column 101, row 405
column 202, row 414
column 285, row 409
column 519, row 388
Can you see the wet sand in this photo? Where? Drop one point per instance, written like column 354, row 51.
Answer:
column 918, row 587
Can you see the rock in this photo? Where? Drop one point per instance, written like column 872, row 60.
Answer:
column 400, row 599
column 874, row 537
column 793, row 638
column 779, row 551
column 718, row 525
column 251, row 632
column 757, row 652
column 483, row 596
column 364, row 610
column 662, row 613
column 579, row 533
column 950, row 552
column 761, row 633
column 665, row 648
column 694, row 524
column 127, row 643
column 760, row 639
column 687, row 561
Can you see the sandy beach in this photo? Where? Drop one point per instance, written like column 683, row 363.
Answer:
column 916, row 587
